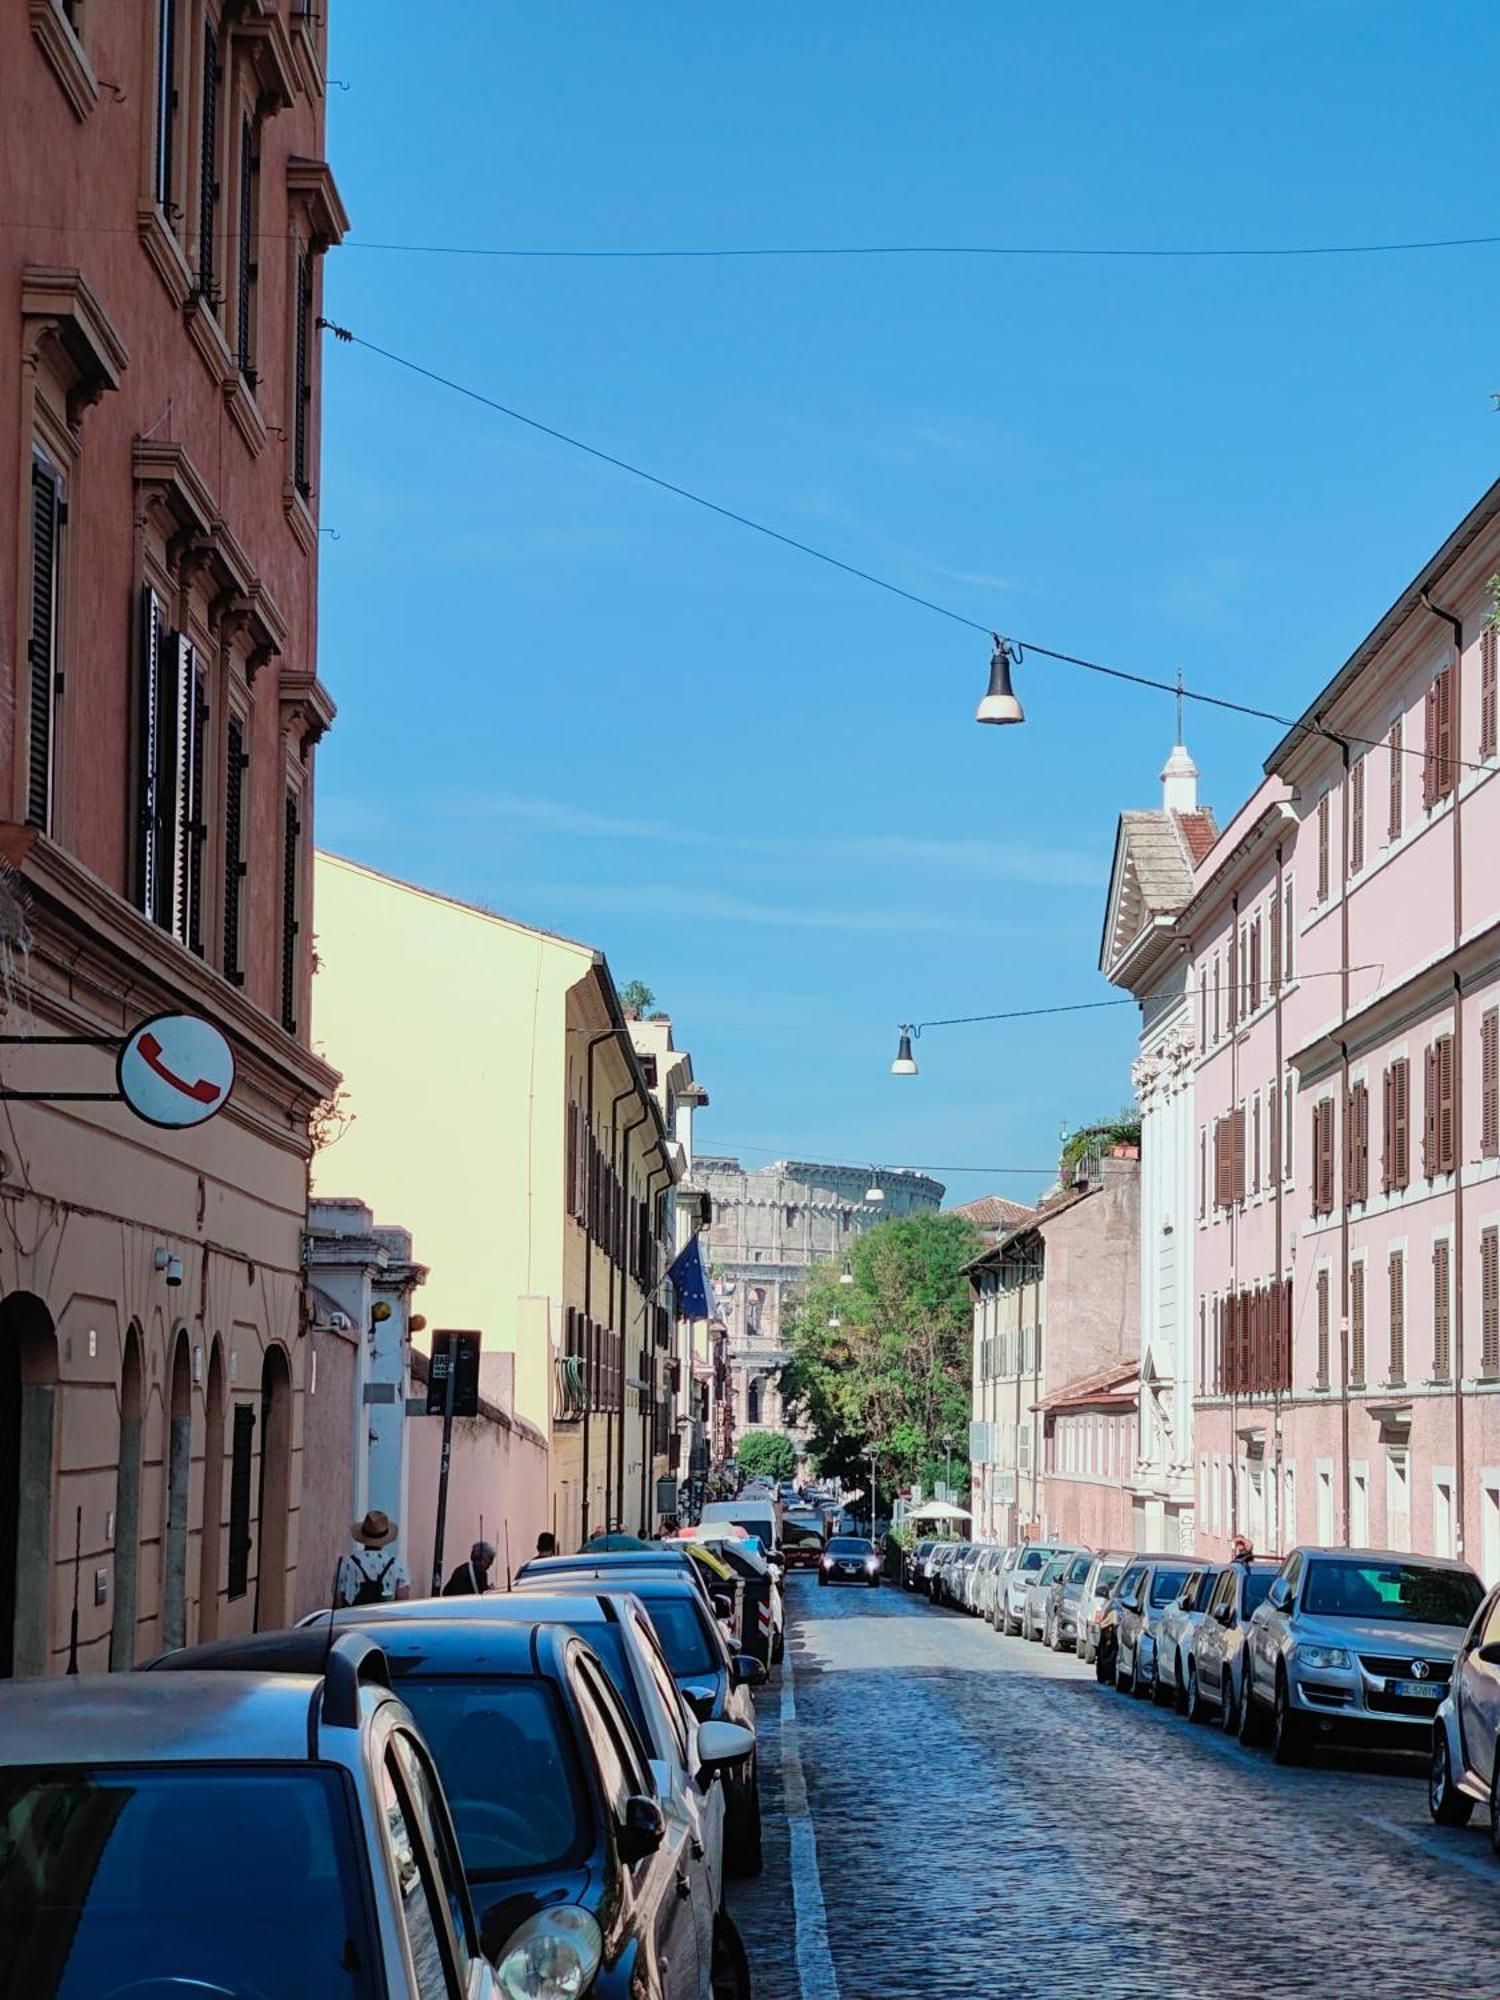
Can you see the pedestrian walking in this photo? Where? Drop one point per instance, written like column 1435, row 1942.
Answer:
column 373, row 1573
column 472, row 1579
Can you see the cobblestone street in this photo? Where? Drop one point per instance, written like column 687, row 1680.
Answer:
column 980, row 1818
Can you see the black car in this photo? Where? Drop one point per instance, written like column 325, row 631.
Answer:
column 912, row 1559
column 850, row 1559
column 717, row 1684
column 559, row 1825
column 582, row 1571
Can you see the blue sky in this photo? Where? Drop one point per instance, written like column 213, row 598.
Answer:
column 756, row 784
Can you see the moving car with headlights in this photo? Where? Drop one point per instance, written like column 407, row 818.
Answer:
column 230, row 1834
column 1031, row 1559
column 1179, row 1622
column 1039, row 1592
column 1098, row 1587
column 1216, row 1663
column 850, row 1559
column 1356, row 1644
column 1141, row 1600
column 1465, row 1767
column 576, row 1870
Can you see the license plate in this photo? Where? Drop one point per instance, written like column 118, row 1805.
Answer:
column 1418, row 1690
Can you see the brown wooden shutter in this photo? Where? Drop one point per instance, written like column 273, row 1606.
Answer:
column 291, row 870
column 1357, row 817
column 1387, row 1131
column 1489, row 645
column 1357, row 1144
column 1254, row 964
column 1323, row 1327
column 1323, row 870
column 1489, row 1083
column 208, row 162
column 1274, row 926
column 1442, row 1332
column 1430, row 1110
column 1396, row 780
column 1234, row 976
column 153, row 758
column 572, row 1171
column 1323, row 1167
column 1237, row 1155
column 1357, row 1323
column 1489, row 1301
column 188, row 830
column 1396, row 1270
column 1429, row 748
column 1255, row 1144
column 235, row 765
column 1447, row 1123
column 1221, row 1164
column 1273, row 1147
column 1289, row 940
column 1401, row 1072
column 301, row 379
column 248, row 270
column 41, row 651
column 1445, row 761
column 1284, row 1330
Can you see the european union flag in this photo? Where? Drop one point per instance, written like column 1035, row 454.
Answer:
column 690, row 1285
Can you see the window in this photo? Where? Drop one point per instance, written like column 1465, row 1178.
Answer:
column 1324, row 811
column 247, row 269
column 1438, row 1129
column 1254, row 1144
column 169, row 788
column 235, row 763
column 1254, row 965
column 1442, row 1311
column 1216, row 996
column 1396, row 1153
column 1323, row 1184
column 1357, row 1322
column 421, row 1909
column 1323, row 1326
column 1489, row 1300
column 1357, row 1144
column 1489, row 643
column 301, row 373
column 1273, row 930
column 291, row 903
column 1394, row 814
column 1288, row 1128
column 1203, row 1007
column 1202, row 1171
column 1396, row 1272
column 1437, row 751
column 208, row 166
column 1236, row 960
column 44, row 676
column 242, row 1451
column 1489, row 1082
column 1289, row 929
column 166, row 105
column 1357, row 817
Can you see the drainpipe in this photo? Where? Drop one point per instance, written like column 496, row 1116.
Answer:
column 1234, row 1213
column 1459, row 1469
column 1343, row 1167
column 647, row 1403
column 605, row 1035
column 1278, row 1187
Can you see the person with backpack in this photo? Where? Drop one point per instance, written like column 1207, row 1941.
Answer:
column 374, row 1572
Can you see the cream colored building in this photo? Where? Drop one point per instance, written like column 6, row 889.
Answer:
column 495, row 1101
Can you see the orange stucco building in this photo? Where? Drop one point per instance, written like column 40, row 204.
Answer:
column 165, row 211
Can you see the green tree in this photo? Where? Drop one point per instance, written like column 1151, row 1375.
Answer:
column 636, row 998
column 1124, row 1129
column 885, row 1360
column 766, row 1455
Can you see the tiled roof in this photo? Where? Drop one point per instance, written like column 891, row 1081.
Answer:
column 1199, row 831
column 993, row 1211
column 1155, row 856
column 1116, row 1383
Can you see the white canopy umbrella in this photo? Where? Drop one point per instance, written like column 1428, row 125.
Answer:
column 939, row 1510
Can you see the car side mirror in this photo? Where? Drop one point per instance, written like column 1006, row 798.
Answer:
column 1279, row 1596
column 746, row 1671
column 1101, row 1590
column 721, row 1744
column 723, row 1604
column 642, row 1830
column 1490, row 1654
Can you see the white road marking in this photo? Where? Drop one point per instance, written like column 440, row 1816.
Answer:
column 814, row 1959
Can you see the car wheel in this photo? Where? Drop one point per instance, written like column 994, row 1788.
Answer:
column 1182, row 1674
column 742, row 1843
column 1252, row 1729
column 730, row 1976
column 1193, row 1706
column 1445, row 1801
column 1052, row 1637
column 1495, row 1805
column 1229, row 1714
column 1286, row 1728
column 1140, row 1687
column 1162, row 1696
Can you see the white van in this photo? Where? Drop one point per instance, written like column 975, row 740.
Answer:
column 756, row 1513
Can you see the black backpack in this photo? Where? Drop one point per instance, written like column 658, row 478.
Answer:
column 372, row 1590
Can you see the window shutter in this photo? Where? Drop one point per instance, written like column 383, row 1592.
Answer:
column 1489, row 1083
column 1401, row 1070
column 1429, row 748
column 1234, row 977
column 1255, row 1148
column 1323, row 1327
column 1254, row 964
column 1357, row 1323
column 1324, row 810
column 1357, row 817
column 301, row 386
column 1445, row 771
column 1489, row 644
column 1274, row 928
column 43, row 678
column 208, row 184
column 291, row 868
column 1284, row 1337
column 235, row 764
column 150, row 778
column 1429, row 1110
column 1397, row 1273
column 1357, row 1144
column 187, row 829
column 1397, row 780
column 1446, row 1120
column 1273, row 1147
column 1489, row 1301
column 1289, row 942
column 1323, row 1177
column 247, row 273
column 1237, row 1156
column 166, row 100
column 571, row 1139
column 1222, row 1183
column 1441, row 1313
column 1388, row 1132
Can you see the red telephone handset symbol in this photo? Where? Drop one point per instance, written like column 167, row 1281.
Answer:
column 201, row 1092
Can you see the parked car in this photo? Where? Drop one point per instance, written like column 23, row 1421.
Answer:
column 1465, row 1767
column 1357, row 1644
column 993, row 1607
column 959, row 1582
column 1062, row 1611
column 1179, row 1622
column 932, row 1569
column 1038, row 1598
column 946, row 1580
column 802, row 1540
column 850, row 1559
column 912, row 1559
column 1031, row 1559
column 1216, row 1664
column 560, row 1825
column 982, row 1581
column 1098, row 1585
column 1143, row 1595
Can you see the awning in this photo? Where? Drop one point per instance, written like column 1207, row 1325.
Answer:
column 939, row 1510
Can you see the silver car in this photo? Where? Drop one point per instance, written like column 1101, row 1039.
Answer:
column 1465, row 1769
column 1104, row 1572
column 1179, row 1622
column 1216, row 1661
column 1356, row 1643
column 1038, row 1602
column 981, row 1580
column 1064, row 1609
column 1031, row 1559
column 1140, row 1604
column 992, row 1605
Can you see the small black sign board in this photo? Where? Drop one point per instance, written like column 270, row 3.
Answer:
column 460, row 1352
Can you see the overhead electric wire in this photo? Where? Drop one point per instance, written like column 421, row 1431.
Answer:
column 703, row 1156
column 1125, row 1000
column 1175, row 688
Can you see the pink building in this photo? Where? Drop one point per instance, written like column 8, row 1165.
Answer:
column 1343, row 945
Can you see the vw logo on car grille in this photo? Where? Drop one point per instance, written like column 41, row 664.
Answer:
column 1420, row 1669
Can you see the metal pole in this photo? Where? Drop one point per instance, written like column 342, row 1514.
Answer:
column 77, row 1566
column 442, row 1500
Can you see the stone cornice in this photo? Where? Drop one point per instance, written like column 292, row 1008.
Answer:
column 311, row 184
column 307, row 708
column 66, row 55
column 57, row 304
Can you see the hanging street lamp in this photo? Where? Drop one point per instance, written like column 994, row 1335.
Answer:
column 999, row 703
column 905, row 1063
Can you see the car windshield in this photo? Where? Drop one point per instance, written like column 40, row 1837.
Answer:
column 850, row 1545
column 501, row 1750
column 1079, row 1568
column 1032, row 1559
column 1165, row 1584
column 682, row 1636
column 1406, row 1593
column 795, row 1536
column 237, row 1882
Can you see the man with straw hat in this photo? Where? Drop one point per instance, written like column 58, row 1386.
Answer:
column 373, row 1572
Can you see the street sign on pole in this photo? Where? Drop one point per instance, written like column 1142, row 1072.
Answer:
column 452, row 1391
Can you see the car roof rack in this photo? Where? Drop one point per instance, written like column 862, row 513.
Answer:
column 353, row 1658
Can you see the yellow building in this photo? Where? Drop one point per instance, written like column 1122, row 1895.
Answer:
column 493, row 1099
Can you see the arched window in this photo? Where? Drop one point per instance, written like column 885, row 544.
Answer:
column 122, row 1636
column 179, row 1457
column 28, row 1391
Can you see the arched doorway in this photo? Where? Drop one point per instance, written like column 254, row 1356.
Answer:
column 28, row 1394
column 122, row 1634
column 275, row 1488
column 179, row 1456
column 213, row 1497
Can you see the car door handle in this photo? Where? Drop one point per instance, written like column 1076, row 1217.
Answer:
column 684, row 1887
column 697, row 1848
